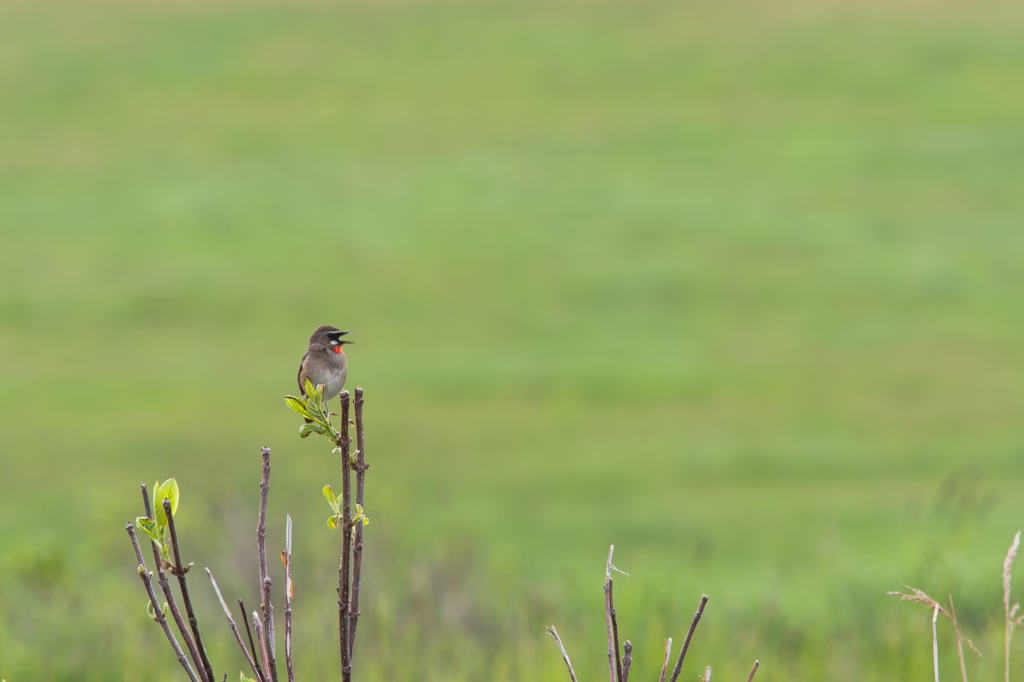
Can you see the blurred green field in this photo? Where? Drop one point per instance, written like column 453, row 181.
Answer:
column 736, row 286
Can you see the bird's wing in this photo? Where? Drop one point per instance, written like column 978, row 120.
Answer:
column 302, row 366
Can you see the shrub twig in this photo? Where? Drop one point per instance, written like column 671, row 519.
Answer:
column 265, row 582
column 146, row 577
column 234, row 628
column 179, row 571
column 668, row 655
column 165, row 587
column 252, row 644
column 689, row 636
column 261, row 638
column 627, row 659
column 344, row 570
column 287, row 556
column 565, row 656
column 360, row 466
column 750, row 677
column 614, row 661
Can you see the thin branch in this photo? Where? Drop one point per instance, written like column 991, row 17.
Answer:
column 615, row 632
column 935, row 642
column 165, row 587
column 959, row 640
column 750, row 677
column 689, row 636
column 627, row 660
column 252, row 644
column 668, row 655
column 346, row 543
column 565, row 657
column 146, row 577
column 357, row 548
column 234, row 628
column 288, row 597
column 707, row 674
column 614, row 664
column 179, row 572
column 261, row 638
column 265, row 582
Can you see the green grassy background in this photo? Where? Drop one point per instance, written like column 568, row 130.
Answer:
column 736, row 286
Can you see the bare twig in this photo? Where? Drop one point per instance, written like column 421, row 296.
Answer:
column 165, row 587
column 935, row 643
column 265, row 582
column 689, row 636
column 261, row 638
column 627, row 659
column 750, row 677
column 615, row 632
column 146, row 577
column 357, row 547
column 959, row 640
column 565, row 657
column 252, row 645
column 1010, row 611
column 288, row 597
column 668, row 655
column 234, row 628
column 179, row 571
column 346, row 543
column 614, row 664
column 707, row 674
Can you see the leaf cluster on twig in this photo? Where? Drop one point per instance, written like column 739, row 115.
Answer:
column 260, row 654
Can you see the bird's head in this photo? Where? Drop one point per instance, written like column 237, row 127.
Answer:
column 330, row 337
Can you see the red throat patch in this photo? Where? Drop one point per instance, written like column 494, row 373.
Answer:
column 337, row 349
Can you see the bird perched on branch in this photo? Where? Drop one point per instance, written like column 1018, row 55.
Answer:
column 324, row 361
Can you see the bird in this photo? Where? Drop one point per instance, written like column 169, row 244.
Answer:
column 324, row 361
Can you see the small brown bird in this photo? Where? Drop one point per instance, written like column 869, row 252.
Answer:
column 324, row 361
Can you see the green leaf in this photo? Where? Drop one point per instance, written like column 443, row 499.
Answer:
column 148, row 526
column 333, row 523
column 168, row 491
column 307, row 429
column 243, row 678
column 296, row 404
column 149, row 610
column 332, row 499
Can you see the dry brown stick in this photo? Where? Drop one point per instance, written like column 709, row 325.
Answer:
column 615, row 631
column 288, row 597
column 689, row 636
column 668, row 655
column 627, row 659
column 180, row 571
column 565, row 657
column 265, row 582
column 357, row 546
column 261, row 638
column 165, row 587
column 252, row 645
column 345, row 568
column 959, row 640
column 234, row 628
column 146, row 577
column 750, row 677
column 613, row 649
